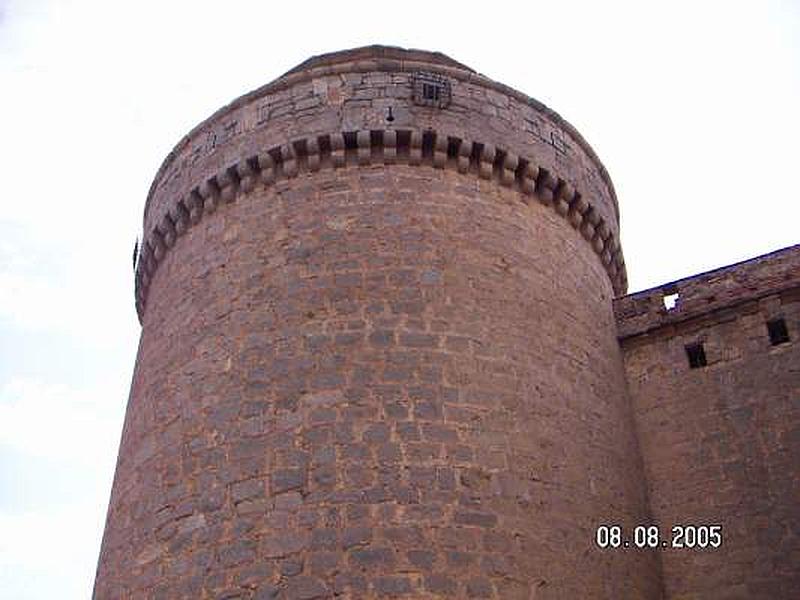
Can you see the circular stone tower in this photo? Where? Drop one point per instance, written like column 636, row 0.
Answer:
column 378, row 356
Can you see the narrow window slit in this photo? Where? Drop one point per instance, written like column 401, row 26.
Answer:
column 696, row 355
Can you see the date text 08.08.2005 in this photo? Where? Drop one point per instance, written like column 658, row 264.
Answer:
column 682, row 537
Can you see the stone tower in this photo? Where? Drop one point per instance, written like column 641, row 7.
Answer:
column 378, row 352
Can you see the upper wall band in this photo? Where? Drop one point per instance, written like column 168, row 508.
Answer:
column 411, row 147
column 388, row 60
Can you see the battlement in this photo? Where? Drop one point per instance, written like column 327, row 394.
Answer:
column 709, row 293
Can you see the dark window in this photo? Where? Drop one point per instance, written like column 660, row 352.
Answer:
column 778, row 334
column 430, row 92
column 696, row 355
column 431, row 89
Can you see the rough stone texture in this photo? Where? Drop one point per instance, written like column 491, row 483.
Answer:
column 337, row 113
column 379, row 358
column 309, row 388
column 721, row 443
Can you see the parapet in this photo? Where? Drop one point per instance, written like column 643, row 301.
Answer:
column 714, row 291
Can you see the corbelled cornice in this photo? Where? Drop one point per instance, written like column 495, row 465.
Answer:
column 426, row 149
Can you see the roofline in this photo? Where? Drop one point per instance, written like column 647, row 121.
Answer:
column 714, row 271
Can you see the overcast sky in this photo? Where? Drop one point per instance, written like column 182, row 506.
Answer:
column 692, row 106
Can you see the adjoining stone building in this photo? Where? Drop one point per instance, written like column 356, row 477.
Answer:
column 386, row 351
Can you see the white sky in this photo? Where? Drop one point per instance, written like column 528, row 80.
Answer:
column 692, row 106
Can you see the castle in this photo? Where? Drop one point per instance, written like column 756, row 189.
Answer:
column 387, row 351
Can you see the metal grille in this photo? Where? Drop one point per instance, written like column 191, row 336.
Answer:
column 431, row 89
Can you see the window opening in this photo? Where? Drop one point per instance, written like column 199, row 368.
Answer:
column 696, row 355
column 778, row 333
column 431, row 89
column 671, row 300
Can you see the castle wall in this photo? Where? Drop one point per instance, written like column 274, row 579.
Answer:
column 721, row 442
column 378, row 363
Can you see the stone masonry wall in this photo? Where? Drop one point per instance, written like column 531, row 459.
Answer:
column 378, row 361
column 721, row 442
column 366, row 391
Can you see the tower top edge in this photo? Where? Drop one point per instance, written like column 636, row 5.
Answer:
column 378, row 52
column 381, row 58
